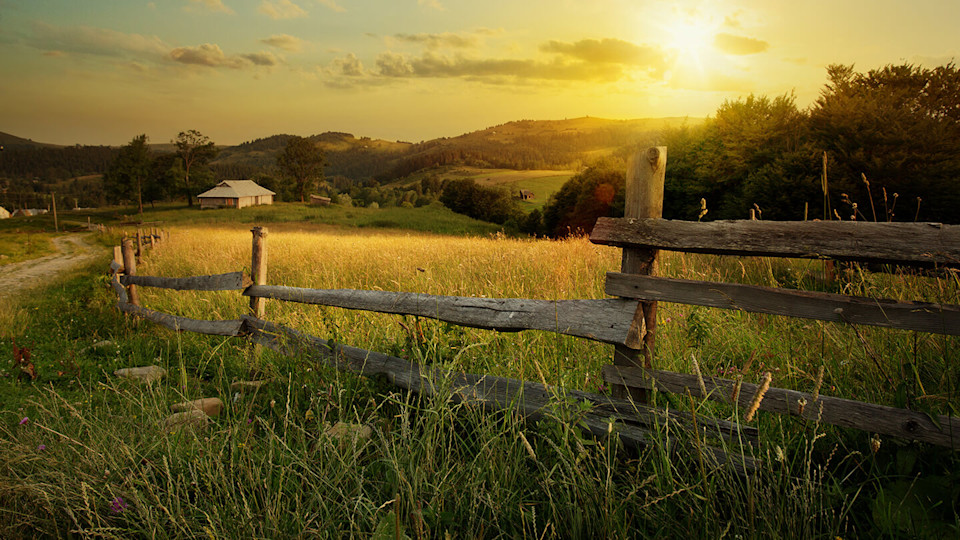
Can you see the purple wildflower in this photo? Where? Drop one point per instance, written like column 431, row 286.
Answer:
column 117, row 505
column 24, row 420
column 41, row 448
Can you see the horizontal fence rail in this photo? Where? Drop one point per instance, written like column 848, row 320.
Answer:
column 606, row 320
column 232, row 281
column 919, row 316
column 939, row 430
column 919, row 244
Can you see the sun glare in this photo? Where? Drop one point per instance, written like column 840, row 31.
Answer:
column 691, row 40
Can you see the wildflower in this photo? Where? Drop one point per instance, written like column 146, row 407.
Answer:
column 118, row 505
column 24, row 420
column 41, row 448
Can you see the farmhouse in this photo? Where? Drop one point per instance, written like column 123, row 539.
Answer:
column 4, row 214
column 526, row 194
column 235, row 194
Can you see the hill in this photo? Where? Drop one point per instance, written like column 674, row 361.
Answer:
column 8, row 141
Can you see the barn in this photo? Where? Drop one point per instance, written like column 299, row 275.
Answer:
column 235, row 194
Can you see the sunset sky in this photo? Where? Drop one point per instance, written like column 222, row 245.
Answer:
column 104, row 71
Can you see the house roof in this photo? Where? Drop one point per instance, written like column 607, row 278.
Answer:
column 236, row 188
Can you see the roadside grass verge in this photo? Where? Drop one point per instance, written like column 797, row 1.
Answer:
column 17, row 247
column 92, row 458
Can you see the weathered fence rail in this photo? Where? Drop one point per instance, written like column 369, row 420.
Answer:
column 628, row 322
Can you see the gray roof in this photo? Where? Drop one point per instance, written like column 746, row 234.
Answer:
column 229, row 189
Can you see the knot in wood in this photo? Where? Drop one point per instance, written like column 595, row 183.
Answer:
column 911, row 426
column 653, row 155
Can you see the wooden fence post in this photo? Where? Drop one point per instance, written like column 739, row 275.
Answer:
column 139, row 245
column 118, row 256
column 258, row 268
column 646, row 172
column 130, row 269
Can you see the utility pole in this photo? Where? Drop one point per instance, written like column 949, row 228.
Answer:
column 56, row 226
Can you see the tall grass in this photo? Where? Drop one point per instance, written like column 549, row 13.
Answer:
column 266, row 468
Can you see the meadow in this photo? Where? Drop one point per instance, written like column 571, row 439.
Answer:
column 84, row 453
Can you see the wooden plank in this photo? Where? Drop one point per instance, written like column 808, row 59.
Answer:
column 919, row 316
column 532, row 400
column 118, row 288
column 606, row 320
column 837, row 411
column 258, row 267
column 232, row 281
column 176, row 323
column 922, row 244
column 646, row 173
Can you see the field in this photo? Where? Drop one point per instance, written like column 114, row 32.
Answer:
column 84, row 453
column 542, row 183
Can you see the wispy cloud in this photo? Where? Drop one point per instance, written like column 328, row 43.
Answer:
column 96, row 41
column 332, row 5
column 436, row 41
column 611, row 51
column 739, row 45
column 281, row 9
column 212, row 56
column 441, row 66
column 209, row 5
column 284, row 41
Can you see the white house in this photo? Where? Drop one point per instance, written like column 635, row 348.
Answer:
column 3, row 213
column 235, row 194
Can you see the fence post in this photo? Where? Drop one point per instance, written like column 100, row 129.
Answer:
column 118, row 256
column 130, row 269
column 258, row 268
column 646, row 172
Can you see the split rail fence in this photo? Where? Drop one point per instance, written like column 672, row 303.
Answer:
column 627, row 321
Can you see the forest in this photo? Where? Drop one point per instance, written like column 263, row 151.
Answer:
column 883, row 145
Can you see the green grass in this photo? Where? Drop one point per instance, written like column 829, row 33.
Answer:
column 17, row 247
column 265, row 468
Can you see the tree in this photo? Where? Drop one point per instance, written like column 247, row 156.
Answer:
column 595, row 192
column 898, row 127
column 129, row 172
column 195, row 150
column 302, row 162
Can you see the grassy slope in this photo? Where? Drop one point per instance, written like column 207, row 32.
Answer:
column 265, row 468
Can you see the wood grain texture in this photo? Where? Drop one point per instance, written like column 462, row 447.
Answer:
column 174, row 322
column 921, row 244
column 837, row 411
column 232, row 281
column 532, row 400
column 919, row 316
column 606, row 320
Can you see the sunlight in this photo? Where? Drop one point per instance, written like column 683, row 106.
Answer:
column 691, row 39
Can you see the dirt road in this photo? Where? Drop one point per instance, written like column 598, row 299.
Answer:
column 72, row 251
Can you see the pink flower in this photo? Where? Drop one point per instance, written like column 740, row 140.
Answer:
column 24, row 420
column 41, row 448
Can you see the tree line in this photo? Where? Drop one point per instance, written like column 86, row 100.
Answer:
column 881, row 145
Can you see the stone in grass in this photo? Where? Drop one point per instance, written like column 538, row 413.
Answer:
column 246, row 386
column 144, row 374
column 192, row 419
column 344, row 431
column 210, row 406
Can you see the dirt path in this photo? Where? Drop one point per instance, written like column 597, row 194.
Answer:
column 73, row 250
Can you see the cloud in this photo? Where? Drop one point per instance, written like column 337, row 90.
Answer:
column 209, row 5
column 281, row 9
column 435, row 4
column 610, row 51
column 96, row 41
column 211, row 55
column 440, row 66
column 332, row 5
column 739, row 45
column 436, row 41
column 285, row 42
column 349, row 66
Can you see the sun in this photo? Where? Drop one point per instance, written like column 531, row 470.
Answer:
column 691, row 40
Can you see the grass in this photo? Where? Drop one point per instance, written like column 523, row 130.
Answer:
column 18, row 247
column 266, row 468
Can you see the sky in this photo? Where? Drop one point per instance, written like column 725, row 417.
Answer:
column 105, row 71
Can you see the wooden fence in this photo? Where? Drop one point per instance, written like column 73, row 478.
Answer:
column 627, row 321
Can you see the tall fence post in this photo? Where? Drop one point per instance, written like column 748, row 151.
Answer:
column 646, row 172
column 130, row 269
column 258, row 268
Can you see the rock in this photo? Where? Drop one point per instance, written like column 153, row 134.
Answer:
column 147, row 374
column 246, row 386
column 344, row 431
column 192, row 419
column 210, row 406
